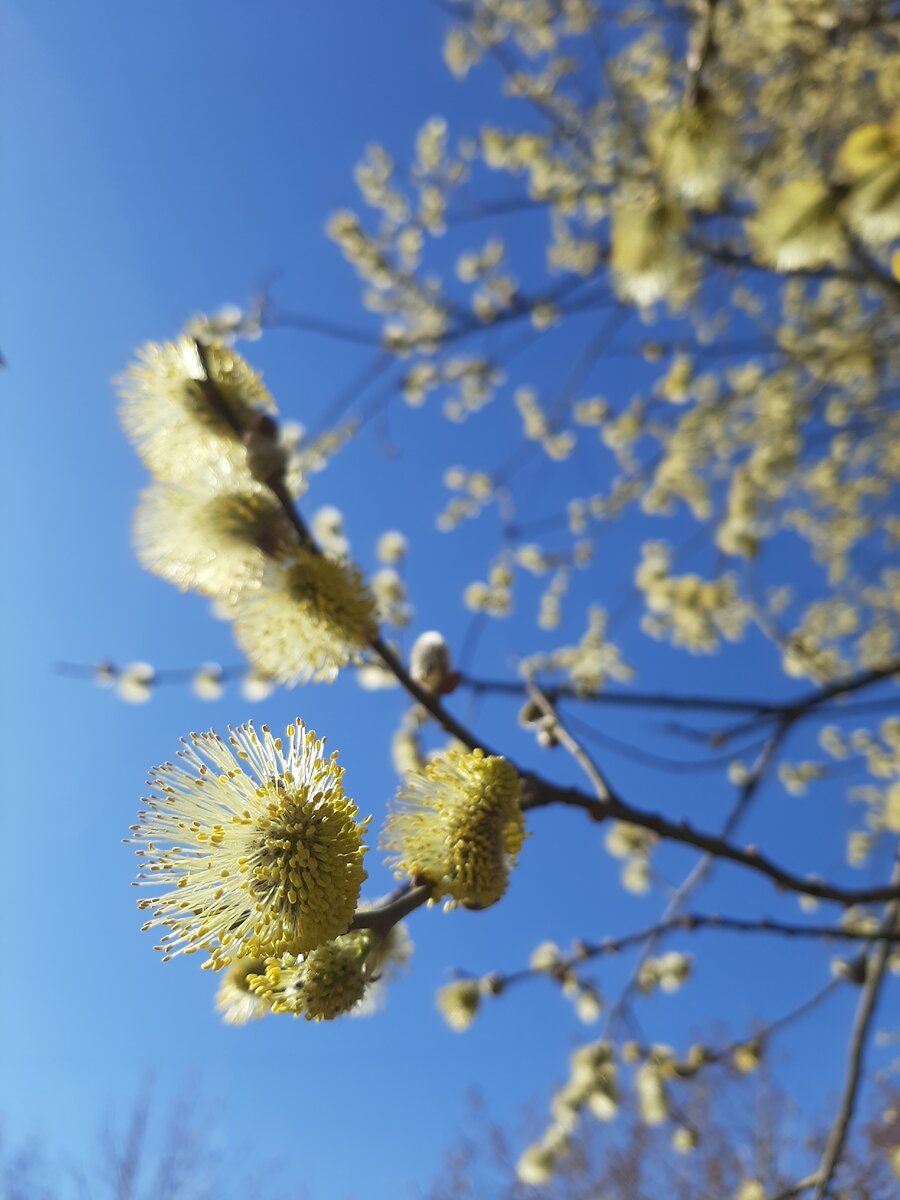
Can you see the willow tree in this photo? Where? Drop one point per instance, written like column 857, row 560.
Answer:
column 672, row 277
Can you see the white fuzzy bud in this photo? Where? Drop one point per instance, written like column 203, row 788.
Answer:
column 430, row 663
column 135, row 683
column 208, row 682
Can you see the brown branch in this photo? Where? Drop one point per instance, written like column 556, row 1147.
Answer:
column 806, row 705
column 629, row 699
column 404, row 901
column 796, row 1189
column 700, row 53
column 701, row 869
column 429, row 702
column 862, row 1023
column 788, row 1018
column 661, row 762
column 762, row 709
column 539, row 793
column 581, row 756
column 335, row 330
column 694, row 922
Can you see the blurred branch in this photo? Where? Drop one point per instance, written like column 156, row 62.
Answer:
column 701, row 869
column 699, row 922
column 701, row 51
column 763, row 710
column 559, row 731
column 539, row 793
column 875, row 975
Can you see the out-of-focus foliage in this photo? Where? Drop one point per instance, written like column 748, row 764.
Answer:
column 731, row 170
column 751, row 1131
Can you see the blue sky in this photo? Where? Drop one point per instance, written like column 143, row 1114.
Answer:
column 163, row 159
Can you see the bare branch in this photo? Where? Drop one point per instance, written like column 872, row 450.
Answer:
column 541, row 792
column 862, row 1024
column 762, row 709
column 585, row 951
column 584, row 760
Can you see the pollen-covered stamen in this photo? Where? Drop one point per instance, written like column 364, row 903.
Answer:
column 306, row 621
column 321, row 985
column 458, row 826
column 257, row 842
column 236, row 999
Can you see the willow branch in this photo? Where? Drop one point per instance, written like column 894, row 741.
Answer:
column 766, row 1032
column 539, row 793
column 701, row 869
column 429, row 702
column 581, row 756
column 796, row 1189
column 404, row 901
column 660, row 762
column 586, row 951
column 812, row 701
column 701, row 52
column 335, row 330
column 862, row 1024
column 797, row 708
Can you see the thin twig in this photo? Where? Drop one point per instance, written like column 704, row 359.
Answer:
column 559, row 731
column 404, row 901
column 694, row 922
column 539, row 793
column 796, row 1189
column 701, row 869
column 701, row 52
column 759, row 708
column 862, row 1023
column 429, row 702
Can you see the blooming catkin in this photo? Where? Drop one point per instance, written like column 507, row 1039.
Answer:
column 344, row 975
column 459, row 1002
column 305, row 621
column 319, row 986
column 216, row 543
column 458, row 825
column 252, row 846
column 187, row 408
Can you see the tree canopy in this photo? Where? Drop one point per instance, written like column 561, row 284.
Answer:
column 657, row 311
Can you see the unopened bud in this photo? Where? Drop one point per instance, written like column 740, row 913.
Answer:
column 545, row 957
column 135, row 682
column 530, row 713
column 747, row 1057
column 208, row 682
column 631, row 1052
column 430, row 664
column 853, row 970
column 548, row 736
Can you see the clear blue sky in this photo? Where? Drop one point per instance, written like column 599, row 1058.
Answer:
column 162, row 159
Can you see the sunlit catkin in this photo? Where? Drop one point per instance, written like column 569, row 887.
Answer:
column 186, row 408
column 213, row 542
column 251, row 845
column 305, row 621
column 458, row 826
